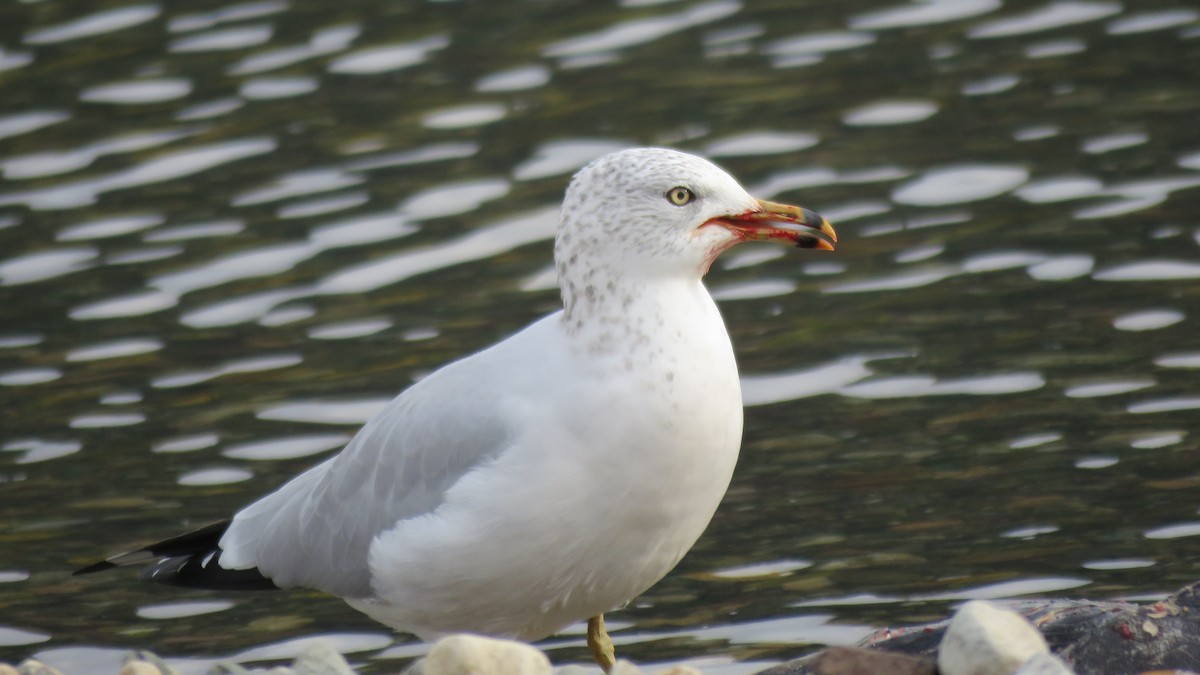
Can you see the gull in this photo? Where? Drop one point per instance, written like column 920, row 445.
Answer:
column 553, row 476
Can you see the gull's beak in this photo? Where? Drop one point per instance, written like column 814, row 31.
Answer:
column 771, row 222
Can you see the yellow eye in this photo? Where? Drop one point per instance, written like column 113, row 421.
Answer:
column 680, row 196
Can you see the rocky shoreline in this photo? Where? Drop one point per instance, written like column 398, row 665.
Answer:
column 1037, row 637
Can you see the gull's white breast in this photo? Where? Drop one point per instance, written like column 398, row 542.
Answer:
column 622, row 440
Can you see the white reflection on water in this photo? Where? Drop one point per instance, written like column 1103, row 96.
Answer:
column 105, row 420
column 906, row 386
column 1006, row 589
column 165, row 167
column 1175, row 531
column 554, row 158
column 41, row 265
column 27, row 376
column 465, row 116
column 894, row 282
column 1102, row 144
column 13, row 637
column 286, row 448
column 1062, row 268
column 323, row 42
column 388, row 58
column 115, row 349
column 1034, row 440
column 1165, row 405
column 1117, row 564
column 1178, row 360
column 1053, row 48
column 923, row 13
column 794, row 384
column 1059, row 188
column 269, row 88
column 106, row 21
column 1148, row 319
column 988, row 86
column 1107, row 388
column 179, row 610
column 108, row 227
column 38, row 450
column 1150, row 270
column 453, row 198
column 246, row 365
column 1145, row 22
column 344, row 643
column 887, row 113
column 1096, row 462
column 325, row 412
column 1159, row 440
column 765, row 569
column 134, row 92
column 187, row 443
column 217, row 476
column 641, row 31
column 514, row 79
column 303, row 183
column 57, row 162
column 346, row 330
column 748, row 290
column 1054, row 15
column 816, row 44
column 960, row 184
column 241, row 11
column 760, row 143
column 226, row 39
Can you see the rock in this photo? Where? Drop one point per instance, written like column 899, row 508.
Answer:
column 475, row 655
column 574, row 670
column 858, row 661
column 984, row 639
column 1045, row 664
column 139, row 668
column 143, row 662
column 320, row 658
column 6, row 669
column 35, row 667
column 623, row 667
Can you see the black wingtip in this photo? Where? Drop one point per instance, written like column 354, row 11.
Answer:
column 190, row 560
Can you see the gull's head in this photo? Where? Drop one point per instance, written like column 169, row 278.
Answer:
column 653, row 212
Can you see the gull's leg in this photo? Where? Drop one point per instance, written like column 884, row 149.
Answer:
column 599, row 644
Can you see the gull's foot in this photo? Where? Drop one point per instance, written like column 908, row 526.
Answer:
column 599, row 644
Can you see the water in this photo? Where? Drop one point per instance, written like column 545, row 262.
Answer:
column 228, row 233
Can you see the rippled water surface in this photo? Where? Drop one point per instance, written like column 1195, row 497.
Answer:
column 230, row 232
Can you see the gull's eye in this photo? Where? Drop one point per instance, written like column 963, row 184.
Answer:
column 680, row 196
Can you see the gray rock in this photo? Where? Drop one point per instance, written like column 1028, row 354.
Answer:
column 143, row 662
column 984, row 639
column 1045, row 664
column 35, row 667
column 859, row 661
column 475, row 655
column 320, row 658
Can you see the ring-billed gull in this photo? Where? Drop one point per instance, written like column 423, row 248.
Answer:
column 553, row 476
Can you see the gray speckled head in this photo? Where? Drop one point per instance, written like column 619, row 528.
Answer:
column 619, row 224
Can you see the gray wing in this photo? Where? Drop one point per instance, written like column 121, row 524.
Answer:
column 316, row 530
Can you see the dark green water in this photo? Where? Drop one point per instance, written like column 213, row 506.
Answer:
column 227, row 232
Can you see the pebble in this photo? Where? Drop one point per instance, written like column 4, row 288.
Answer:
column 1045, row 664
column 984, row 639
column 475, row 655
column 859, row 661
column 35, row 667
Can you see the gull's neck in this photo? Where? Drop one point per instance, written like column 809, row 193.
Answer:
column 638, row 317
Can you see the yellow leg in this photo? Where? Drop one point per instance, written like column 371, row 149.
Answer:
column 599, row 644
